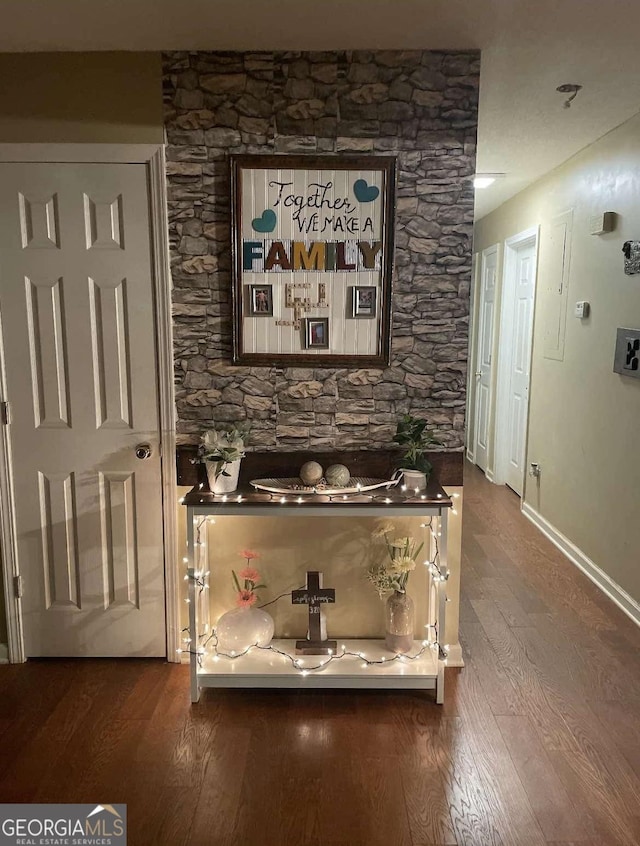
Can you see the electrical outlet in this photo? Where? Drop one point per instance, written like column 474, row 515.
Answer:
column 627, row 356
column 582, row 309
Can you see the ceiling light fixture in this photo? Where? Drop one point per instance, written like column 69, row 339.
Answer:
column 571, row 88
column 483, row 181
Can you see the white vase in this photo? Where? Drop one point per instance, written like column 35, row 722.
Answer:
column 223, row 484
column 241, row 628
column 414, row 479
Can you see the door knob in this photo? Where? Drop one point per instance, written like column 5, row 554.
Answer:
column 478, row 373
column 143, row 451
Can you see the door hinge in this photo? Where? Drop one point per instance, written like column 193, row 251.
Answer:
column 17, row 587
column 5, row 413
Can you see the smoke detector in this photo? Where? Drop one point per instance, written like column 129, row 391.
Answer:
column 570, row 88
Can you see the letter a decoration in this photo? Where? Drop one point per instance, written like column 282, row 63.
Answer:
column 316, row 234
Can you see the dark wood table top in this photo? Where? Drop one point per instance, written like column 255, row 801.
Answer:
column 246, row 496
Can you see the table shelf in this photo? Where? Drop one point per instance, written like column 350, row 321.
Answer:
column 265, row 668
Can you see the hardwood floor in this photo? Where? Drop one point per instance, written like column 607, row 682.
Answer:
column 538, row 741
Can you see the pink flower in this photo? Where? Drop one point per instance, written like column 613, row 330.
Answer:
column 250, row 574
column 248, row 554
column 246, row 598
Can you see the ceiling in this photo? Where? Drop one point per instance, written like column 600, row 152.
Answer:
column 528, row 49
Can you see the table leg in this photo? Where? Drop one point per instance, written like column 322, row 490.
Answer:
column 193, row 605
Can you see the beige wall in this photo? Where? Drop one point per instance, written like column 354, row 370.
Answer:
column 584, row 419
column 109, row 98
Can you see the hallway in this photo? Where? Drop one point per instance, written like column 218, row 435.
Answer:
column 551, row 690
column 538, row 741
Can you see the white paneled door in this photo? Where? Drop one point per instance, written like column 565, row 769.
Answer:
column 518, row 400
column 78, row 333
column 484, row 362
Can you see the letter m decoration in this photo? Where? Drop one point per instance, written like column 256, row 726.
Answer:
column 313, row 259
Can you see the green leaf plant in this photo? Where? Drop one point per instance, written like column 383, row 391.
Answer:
column 412, row 434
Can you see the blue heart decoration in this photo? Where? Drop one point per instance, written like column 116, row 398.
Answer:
column 364, row 192
column 266, row 222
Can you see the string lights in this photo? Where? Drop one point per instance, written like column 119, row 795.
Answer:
column 199, row 578
column 403, row 496
column 304, row 669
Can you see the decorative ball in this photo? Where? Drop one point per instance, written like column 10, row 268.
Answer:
column 311, row 473
column 338, row 475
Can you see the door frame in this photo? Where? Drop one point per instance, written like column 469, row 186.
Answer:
column 470, row 434
column 493, row 249
column 153, row 157
column 528, row 237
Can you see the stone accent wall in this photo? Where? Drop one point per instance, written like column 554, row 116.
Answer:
column 420, row 106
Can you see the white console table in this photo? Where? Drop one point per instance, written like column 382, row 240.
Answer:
column 367, row 663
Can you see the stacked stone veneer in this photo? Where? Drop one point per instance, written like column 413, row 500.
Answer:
column 419, row 106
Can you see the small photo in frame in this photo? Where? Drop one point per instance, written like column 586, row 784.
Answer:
column 316, row 333
column 364, row 300
column 261, row 300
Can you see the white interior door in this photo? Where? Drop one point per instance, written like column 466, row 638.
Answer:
column 485, row 346
column 77, row 309
column 522, row 279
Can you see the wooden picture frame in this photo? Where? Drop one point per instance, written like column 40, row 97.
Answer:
column 310, row 232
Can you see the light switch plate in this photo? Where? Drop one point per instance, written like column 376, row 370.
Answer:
column 627, row 358
column 581, row 309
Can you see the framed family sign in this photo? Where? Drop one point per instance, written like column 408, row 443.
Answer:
column 312, row 243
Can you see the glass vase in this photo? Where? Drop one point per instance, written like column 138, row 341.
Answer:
column 241, row 628
column 399, row 622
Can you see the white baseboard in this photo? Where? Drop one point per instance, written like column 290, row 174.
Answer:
column 622, row 599
column 489, row 474
column 471, row 456
column 4, row 653
column 454, row 655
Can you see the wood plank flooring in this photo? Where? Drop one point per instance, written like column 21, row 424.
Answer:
column 538, row 742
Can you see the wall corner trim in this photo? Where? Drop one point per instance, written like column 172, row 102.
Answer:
column 622, row 599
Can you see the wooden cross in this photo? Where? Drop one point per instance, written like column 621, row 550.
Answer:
column 314, row 595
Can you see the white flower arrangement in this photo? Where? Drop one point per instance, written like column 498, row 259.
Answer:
column 393, row 573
